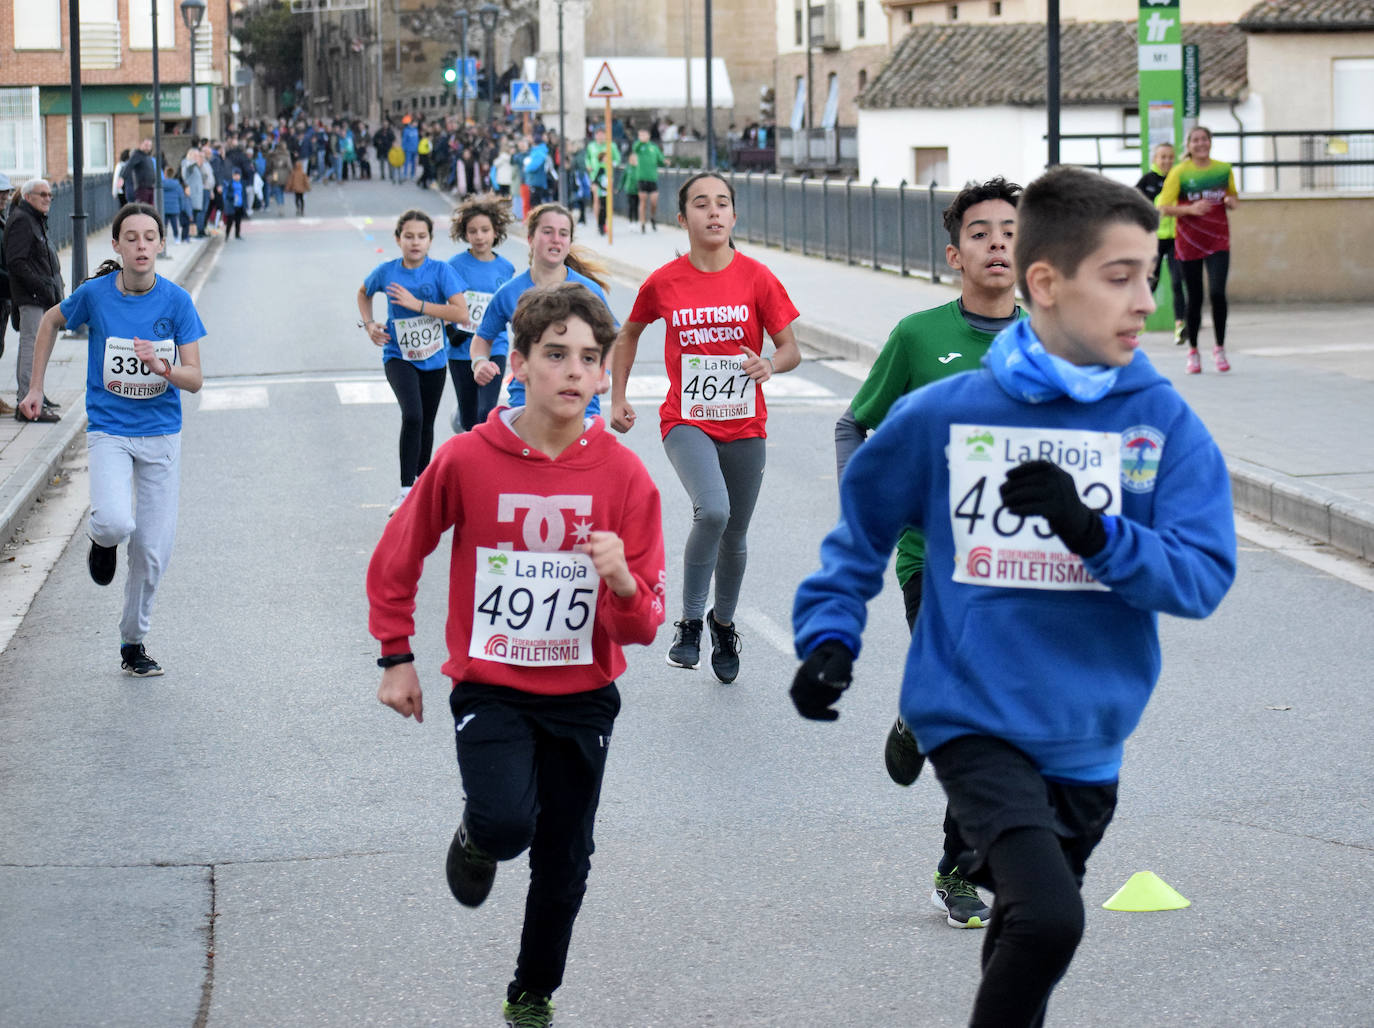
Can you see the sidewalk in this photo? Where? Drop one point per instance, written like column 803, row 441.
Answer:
column 1293, row 416
column 31, row 453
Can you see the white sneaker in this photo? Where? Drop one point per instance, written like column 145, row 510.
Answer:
column 400, row 499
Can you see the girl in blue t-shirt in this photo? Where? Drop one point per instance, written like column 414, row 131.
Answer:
column 553, row 260
column 421, row 295
column 143, row 348
column 481, row 222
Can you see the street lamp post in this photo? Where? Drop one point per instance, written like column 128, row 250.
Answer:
column 157, row 133
column 191, row 14
column 463, row 63
column 192, row 11
column 487, row 16
column 562, row 109
column 78, row 150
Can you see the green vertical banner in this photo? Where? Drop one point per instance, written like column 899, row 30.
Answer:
column 1160, row 56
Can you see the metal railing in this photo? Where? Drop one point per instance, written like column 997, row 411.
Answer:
column 99, row 203
column 1296, row 160
column 879, row 226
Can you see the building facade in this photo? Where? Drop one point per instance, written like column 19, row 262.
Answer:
column 116, row 73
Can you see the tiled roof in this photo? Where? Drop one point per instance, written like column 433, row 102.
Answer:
column 1309, row 16
column 942, row 65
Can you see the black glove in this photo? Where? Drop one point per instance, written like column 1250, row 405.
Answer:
column 824, row 675
column 1040, row 487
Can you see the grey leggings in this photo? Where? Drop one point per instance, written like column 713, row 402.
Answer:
column 722, row 480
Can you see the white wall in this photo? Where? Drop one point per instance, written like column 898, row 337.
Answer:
column 1009, row 141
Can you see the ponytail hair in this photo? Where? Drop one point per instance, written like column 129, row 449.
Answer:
column 125, row 213
column 580, row 259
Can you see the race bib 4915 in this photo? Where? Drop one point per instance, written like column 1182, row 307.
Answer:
column 993, row 546
column 533, row 609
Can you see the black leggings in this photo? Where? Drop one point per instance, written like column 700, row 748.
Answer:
column 1218, row 264
column 475, row 402
column 418, row 392
column 1165, row 253
column 1036, row 927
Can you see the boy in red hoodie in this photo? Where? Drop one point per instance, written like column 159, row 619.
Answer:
column 557, row 563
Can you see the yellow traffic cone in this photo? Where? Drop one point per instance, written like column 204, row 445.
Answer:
column 1146, row 891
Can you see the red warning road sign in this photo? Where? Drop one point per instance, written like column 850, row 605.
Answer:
column 605, row 87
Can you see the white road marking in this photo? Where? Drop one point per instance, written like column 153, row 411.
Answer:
column 233, row 397
column 853, row 369
column 1305, row 551
column 767, row 629
column 364, row 392
column 780, row 387
column 1305, row 351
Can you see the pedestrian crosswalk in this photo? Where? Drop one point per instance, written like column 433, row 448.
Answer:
column 352, row 389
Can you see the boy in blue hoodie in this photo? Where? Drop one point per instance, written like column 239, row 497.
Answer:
column 1067, row 494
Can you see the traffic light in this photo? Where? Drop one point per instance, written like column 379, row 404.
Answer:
column 451, row 67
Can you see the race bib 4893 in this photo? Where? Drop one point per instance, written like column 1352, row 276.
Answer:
column 993, row 546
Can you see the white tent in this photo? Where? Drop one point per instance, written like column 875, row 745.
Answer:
column 659, row 83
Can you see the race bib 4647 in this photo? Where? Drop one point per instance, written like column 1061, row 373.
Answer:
column 993, row 546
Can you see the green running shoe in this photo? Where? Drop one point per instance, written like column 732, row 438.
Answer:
column 959, row 899
column 528, row 1010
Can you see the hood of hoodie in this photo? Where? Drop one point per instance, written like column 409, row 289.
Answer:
column 586, row 451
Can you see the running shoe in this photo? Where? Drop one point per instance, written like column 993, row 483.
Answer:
column 528, row 1010
column 469, row 871
column 135, row 660
column 400, row 499
column 959, row 899
column 1180, row 333
column 1194, row 363
column 724, row 649
column 686, row 648
column 101, row 563
column 902, row 756
column 1219, row 355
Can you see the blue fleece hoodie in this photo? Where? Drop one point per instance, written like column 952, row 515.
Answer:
column 1062, row 675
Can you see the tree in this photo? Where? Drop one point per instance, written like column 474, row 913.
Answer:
column 272, row 40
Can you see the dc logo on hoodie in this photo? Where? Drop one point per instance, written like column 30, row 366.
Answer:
column 1141, row 449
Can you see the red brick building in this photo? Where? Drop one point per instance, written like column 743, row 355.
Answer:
column 116, row 59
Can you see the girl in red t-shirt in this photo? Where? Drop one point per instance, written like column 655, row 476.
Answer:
column 717, row 305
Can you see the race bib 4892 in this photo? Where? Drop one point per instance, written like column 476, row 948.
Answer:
column 995, row 547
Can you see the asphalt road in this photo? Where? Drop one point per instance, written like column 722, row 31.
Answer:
column 253, row 840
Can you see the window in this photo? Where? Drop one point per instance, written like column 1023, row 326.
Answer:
column 831, row 117
column 995, row 8
column 909, row 15
column 797, row 24
column 97, row 156
column 141, row 24
column 21, row 133
column 953, row 11
column 931, row 164
column 38, row 25
column 861, row 22
column 863, row 79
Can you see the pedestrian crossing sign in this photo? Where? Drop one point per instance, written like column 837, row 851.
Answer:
column 525, row 96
